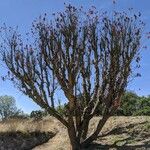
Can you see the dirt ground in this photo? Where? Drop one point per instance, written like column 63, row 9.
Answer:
column 119, row 133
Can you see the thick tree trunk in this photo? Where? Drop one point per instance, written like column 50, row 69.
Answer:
column 94, row 136
column 74, row 141
column 85, row 129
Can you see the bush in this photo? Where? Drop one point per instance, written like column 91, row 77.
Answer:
column 62, row 110
column 128, row 104
column 38, row 114
column 145, row 111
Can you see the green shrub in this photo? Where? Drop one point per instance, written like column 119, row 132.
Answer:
column 145, row 111
column 37, row 114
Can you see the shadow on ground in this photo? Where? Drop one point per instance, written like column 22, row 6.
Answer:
column 123, row 147
column 131, row 137
column 23, row 141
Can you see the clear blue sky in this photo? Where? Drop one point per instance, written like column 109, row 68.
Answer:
column 21, row 13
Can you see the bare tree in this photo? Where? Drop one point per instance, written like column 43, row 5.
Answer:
column 79, row 53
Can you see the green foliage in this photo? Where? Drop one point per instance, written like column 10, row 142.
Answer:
column 143, row 106
column 62, row 110
column 132, row 104
column 145, row 111
column 144, row 102
column 128, row 104
column 8, row 107
column 38, row 114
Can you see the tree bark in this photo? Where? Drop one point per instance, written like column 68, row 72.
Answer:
column 74, row 141
column 94, row 136
column 85, row 129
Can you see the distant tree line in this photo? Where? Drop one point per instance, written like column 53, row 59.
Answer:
column 134, row 105
column 9, row 110
column 131, row 105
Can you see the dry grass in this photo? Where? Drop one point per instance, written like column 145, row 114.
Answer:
column 125, row 133
column 26, row 133
column 118, row 131
column 28, row 125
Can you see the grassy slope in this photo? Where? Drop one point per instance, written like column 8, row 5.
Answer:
column 119, row 133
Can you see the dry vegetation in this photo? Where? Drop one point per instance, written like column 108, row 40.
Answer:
column 24, row 134
column 128, row 133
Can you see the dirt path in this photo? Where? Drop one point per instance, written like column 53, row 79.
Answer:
column 59, row 142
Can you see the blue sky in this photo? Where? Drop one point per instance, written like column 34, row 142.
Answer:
column 21, row 13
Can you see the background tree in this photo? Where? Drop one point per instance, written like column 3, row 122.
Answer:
column 128, row 104
column 8, row 107
column 131, row 105
column 134, row 105
column 143, row 106
column 38, row 114
column 79, row 53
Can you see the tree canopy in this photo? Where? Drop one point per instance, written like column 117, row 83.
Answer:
column 8, row 107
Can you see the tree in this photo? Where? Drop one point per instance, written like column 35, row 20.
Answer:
column 38, row 114
column 79, row 53
column 8, row 107
column 143, row 106
column 129, row 104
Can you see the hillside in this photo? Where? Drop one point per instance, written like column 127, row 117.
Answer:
column 119, row 133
